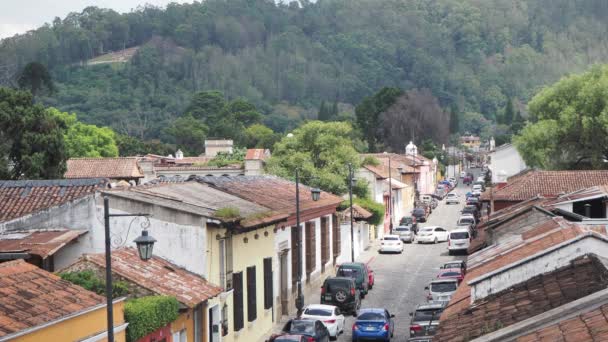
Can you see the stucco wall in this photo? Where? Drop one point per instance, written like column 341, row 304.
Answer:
column 504, row 163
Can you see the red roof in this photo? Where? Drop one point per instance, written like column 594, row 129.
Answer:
column 30, row 296
column 257, row 154
column 38, row 242
column 547, row 184
column 591, row 325
column 461, row 298
column 20, row 198
column 535, row 296
column 113, row 168
column 159, row 276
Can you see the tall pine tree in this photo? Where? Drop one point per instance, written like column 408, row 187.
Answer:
column 508, row 117
column 454, row 123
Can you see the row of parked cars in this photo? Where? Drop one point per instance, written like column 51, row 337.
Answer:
column 425, row 319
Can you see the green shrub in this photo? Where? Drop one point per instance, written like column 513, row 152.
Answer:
column 88, row 280
column 148, row 314
column 376, row 209
column 228, row 213
column 370, row 160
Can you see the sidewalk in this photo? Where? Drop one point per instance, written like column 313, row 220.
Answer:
column 312, row 296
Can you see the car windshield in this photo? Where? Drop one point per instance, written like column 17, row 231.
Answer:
column 371, row 316
column 288, row 339
column 391, row 238
column 419, row 211
column 402, row 229
column 427, row 315
column 335, row 284
column 450, row 274
column 453, row 265
column 459, row 236
column 465, row 221
column 303, row 327
column 443, row 287
column 345, row 271
column 317, row 312
column 426, row 230
column 406, row 220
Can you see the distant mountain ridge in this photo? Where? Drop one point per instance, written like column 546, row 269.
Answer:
column 287, row 58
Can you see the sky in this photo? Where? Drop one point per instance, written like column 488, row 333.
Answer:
column 19, row 16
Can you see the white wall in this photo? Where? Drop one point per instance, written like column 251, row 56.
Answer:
column 361, row 239
column 505, row 162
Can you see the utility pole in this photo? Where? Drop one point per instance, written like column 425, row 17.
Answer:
column 352, row 218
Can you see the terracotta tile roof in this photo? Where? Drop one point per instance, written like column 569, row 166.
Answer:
column 359, row 212
column 159, row 276
column 578, row 195
column 461, row 298
column 397, row 160
column 180, row 167
column 500, row 216
column 30, row 296
column 546, row 183
column 271, row 192
column 113, row 168
column 539, row 294
column 38, row 242
column 588, row 326
column 20, row 198
column 257, row 154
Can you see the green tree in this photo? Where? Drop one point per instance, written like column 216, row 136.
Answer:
column 509, row 113
column 82, row 140
column 454, row 122
column 188, row 134
column 35, row 78
column 570, row 128
column 518, row 123
column 206, row 105
column 31, row 139
column 321, row 151
column 260, row 136
column 368, row 114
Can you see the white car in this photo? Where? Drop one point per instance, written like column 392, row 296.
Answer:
column 452, row 198
column 460, row 240
column 432, row 234
column 463, row 174
column 391, row 243
column 329, row 315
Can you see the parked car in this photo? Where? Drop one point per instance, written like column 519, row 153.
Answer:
column 459, row 241
column 283, row 337
column 432, row 234
column 409, row 221
column 472, row 210
column 434, row 203
column 463, row 174
column 451, row 273
column 391, row 244
column 341, row 292
column 420, row 214
column 370, row 276
column 441, row 287
column 482, row 184
column 406, row 234
column 452, row 198
column 315, row 330
column 425, row 319
column 357, row 271
column 373, row 324
column 466, row 219
column 420, row 339
column 467, row 180
column 330, row 315
column 473, row 201
column 461, row 264
column 440, row 192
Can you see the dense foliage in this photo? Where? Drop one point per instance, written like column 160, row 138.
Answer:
column 87, row 279
column 321, row 151
column 570, row 124
column 31, row 139
column 287, row 58
column 377, row 210
column 148, row 314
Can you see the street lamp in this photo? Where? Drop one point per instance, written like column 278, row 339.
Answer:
column 315, row 194
column 145, row 244
column 351, row 180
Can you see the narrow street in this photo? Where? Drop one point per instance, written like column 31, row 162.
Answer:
column 400, row 279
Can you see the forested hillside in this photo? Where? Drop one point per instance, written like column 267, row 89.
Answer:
column 474, row 55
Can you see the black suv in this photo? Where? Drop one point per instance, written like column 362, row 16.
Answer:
column 341, row 292
column 358, row 272
column 420, row 214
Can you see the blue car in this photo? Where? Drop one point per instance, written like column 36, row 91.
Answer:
column 373, row 325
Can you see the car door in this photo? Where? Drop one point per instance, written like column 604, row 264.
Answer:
column 339, row 319
column 442, row 233
column 321, row 332
column 391, row 324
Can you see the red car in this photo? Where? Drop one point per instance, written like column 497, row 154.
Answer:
column 370, row 274
column 451, row 273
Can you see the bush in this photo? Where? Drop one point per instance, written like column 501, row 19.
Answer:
column 376, row 209
column 228, row 213
column 88, row 280
column 148, row 314
column 370, row 160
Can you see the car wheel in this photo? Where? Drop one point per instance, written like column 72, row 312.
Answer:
column 340, row 296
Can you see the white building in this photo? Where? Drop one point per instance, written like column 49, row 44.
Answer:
column 505, row 161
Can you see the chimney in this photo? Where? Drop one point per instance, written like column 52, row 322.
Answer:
column 179, row 155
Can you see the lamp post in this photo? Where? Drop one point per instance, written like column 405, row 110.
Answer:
column 145, row 244
column 390, row 195
column 352, row 218
column 315, row 194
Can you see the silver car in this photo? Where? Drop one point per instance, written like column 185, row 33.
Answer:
column 405, row 233
column 441, row 287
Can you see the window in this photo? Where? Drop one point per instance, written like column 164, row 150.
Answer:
column 295, row 258
column 311, row 253
column 268, row 290
column 252, row 309
column 237, row 296
column 335, row 231
column 226, row 263
column 324, row 242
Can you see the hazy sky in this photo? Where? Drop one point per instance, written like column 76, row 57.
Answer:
column 18, row 16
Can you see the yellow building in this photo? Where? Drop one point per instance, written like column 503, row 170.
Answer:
column 158, row 276
column 51, row 309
